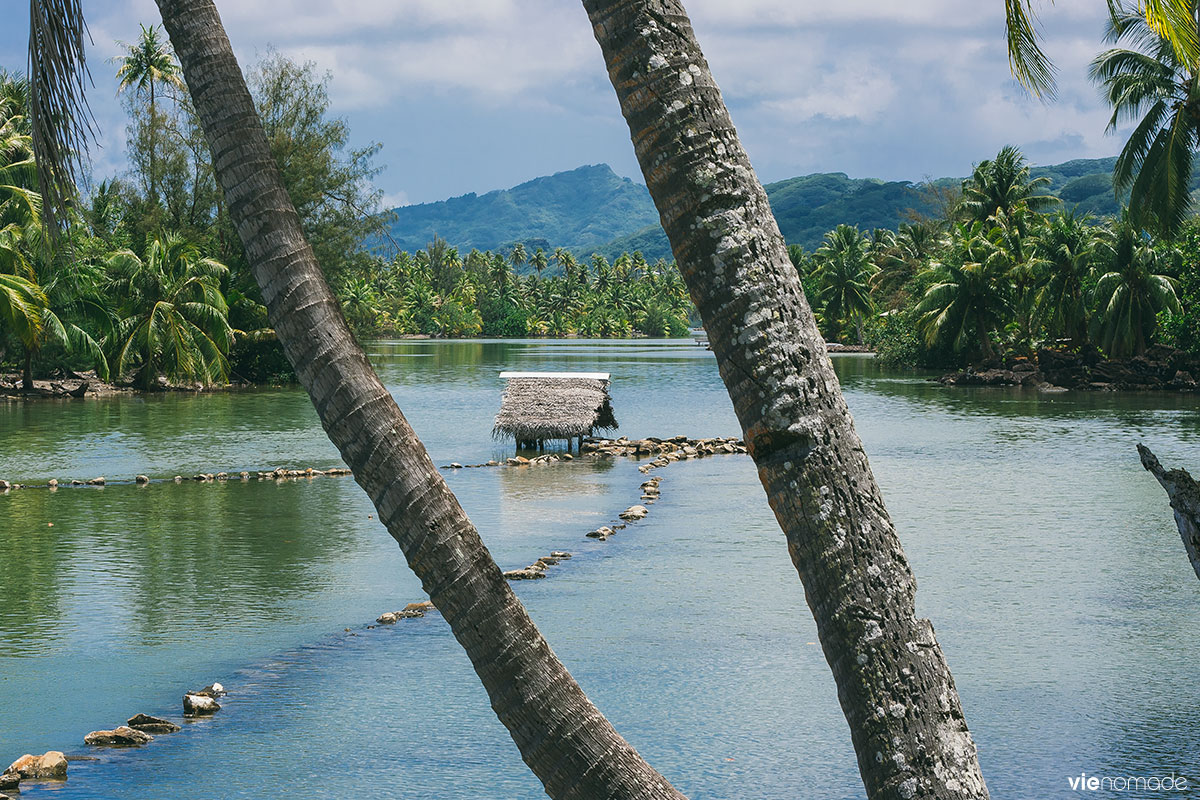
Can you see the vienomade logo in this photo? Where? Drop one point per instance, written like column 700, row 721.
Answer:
column 1125, row 783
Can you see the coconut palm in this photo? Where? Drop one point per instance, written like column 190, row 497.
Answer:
column 787, row 399
column 145, row 65
column 970, row 297
column 538, row 261
column 360, row 302
column 899, row 263
column 844, row 270
column 1067, row 250
column 73, row 290
column 174, row 319
column 1131, row 293
column 1149, row 84
column 22, row 306
column 517, row 257
column 1003, row 186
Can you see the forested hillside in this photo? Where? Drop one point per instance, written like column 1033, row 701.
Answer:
column 593, row 210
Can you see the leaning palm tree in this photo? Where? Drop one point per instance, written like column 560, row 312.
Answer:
column 893, row 682
column 174, row 318
column 1150, row 84
column 1131, row 292
column 145, row 65
column 844, row 270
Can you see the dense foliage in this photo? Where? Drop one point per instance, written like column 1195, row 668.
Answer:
column 1005, row 272
column 436, row 291
column 148, row 283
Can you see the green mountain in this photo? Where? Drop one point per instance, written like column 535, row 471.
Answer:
column 594, row 210
column 582, row 210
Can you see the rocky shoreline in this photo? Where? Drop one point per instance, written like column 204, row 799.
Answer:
column 1159, row 369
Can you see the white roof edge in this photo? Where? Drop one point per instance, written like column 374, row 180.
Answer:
column 601, row 376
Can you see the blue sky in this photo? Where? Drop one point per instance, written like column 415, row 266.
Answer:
column 474, row 95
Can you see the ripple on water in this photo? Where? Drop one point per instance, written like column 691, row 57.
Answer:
column 1046, row 558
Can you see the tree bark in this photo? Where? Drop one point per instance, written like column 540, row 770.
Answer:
column 27, row 371
column 1184, row 493
column 893, row 683
column 563, row 738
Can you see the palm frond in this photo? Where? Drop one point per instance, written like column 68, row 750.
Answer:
column 61, row 117
column 1029, row 63
column 1175, row 22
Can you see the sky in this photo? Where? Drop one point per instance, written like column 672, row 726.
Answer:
column 475, row 95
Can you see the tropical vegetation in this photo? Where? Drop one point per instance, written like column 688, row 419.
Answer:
column 1006, row 271
column 145, row 281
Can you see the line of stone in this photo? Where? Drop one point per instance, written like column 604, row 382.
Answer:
column 277, row 474
column 138, row 730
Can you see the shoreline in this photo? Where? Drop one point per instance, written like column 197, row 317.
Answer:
column 1159, row 369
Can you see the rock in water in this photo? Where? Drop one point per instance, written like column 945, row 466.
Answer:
column 52, row 764
column 213, row 690
column 10, row 780
column 149, row 724
column 123, row 736
column 526, row 574
column 634, row 512
column 199, row 705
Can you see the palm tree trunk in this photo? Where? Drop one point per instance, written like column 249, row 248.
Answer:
column 985, row 343
column 27, row 371
column 563, row 738
column 153, row 168
column 893, row 683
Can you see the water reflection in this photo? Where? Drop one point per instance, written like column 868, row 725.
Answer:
column 1046, row 558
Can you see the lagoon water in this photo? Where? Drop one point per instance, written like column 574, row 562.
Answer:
column 1046, row 557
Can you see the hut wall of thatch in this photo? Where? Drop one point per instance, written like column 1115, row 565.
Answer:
column 540, row 407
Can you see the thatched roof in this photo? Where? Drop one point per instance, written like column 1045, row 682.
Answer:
column 540, row 406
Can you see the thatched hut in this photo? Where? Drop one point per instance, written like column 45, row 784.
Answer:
column 538, row 407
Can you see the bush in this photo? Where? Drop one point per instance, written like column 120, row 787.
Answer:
column 896, row 343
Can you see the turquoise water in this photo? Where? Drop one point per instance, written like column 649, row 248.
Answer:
column 1046, row 558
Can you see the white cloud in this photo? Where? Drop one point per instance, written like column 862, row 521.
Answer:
column 892, row 89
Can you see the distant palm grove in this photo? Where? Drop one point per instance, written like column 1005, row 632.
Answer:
column 145, row 280
column 1005, row 271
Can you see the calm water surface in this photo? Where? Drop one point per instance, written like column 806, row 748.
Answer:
column 1046, row 557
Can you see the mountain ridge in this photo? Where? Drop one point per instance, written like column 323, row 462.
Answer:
column 591, row 209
